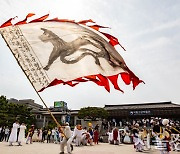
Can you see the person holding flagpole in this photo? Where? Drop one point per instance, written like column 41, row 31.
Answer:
column 67, row 139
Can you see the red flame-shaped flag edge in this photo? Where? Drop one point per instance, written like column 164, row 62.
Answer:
column 25, row 20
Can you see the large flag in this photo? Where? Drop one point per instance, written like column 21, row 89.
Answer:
column 55, row 51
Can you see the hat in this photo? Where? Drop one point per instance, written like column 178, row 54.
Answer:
column 165, row 121
column 67, row 123
column 137, row 124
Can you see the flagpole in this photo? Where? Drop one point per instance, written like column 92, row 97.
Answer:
column 57, row 123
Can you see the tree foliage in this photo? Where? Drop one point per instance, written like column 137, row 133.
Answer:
column 9, row 112
column 92, row 113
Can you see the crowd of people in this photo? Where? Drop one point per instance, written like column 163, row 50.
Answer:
column 4, row 133
column 63, row 135
column 162, row 133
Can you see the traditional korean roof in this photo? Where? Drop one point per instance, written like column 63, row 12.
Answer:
column 142, row 106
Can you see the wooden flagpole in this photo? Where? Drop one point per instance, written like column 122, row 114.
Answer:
column 57, row 123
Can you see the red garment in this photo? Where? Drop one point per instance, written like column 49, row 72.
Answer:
column 167, row 139
column 115, row 134
column 96, row 136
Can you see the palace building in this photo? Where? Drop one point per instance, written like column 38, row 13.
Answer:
column 121, row 112
column 143, row 110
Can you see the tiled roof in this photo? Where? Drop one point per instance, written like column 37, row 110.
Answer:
column 142, row 106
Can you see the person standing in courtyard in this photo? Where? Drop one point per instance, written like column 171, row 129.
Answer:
column 116, row 138
column 77, row 134
column 0, row 131
column 14, row 131
column 52, row 135
column 35, row 136
column 40, row 135
column 6, row 136
column 2, row 134
column 138, row 143
column 49, row 136
column 21, row 137
column 44, row 133
column 30, row 134
column 96, row 134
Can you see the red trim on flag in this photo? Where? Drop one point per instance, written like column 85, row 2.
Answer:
column 130, row 76
column 84, row 22
column 25, row 20
column 101, row 80
column 7, row 23
column 126, row 78
column 53, row 83
column 80, row 80
column 94, row 79
column 114, row 81
column 104, row 81
column 40, row 19
column 96, row 27
column 70, row 83
column 113, row 40
column 56, row 82
column 61, row 20
column 135, row 80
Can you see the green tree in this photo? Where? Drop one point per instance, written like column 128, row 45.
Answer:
column 92, row 113
column 9, row 112
column 3, row 110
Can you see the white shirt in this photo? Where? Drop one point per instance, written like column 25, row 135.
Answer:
column 7, row 131
column 67, row 131
column 53, row 131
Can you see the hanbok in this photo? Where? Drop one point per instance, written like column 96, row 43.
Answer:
column 78, row 135
column 116, row 136
column 13, row 135
column 110, row 138
column 35, row 137
column 127, row 138
column 40, row 135
column 56, row 137
column 148, row 145
column 21, row 137
column 96, row 136
column 138, row 143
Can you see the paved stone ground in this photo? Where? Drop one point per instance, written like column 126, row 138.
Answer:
column 51, row 148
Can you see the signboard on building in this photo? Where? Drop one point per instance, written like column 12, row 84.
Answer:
column 142, row 112
column 60, row 104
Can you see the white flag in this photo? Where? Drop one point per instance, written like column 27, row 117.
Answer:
column 66, row 52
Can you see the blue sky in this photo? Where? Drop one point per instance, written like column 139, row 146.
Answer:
column 149, row 30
